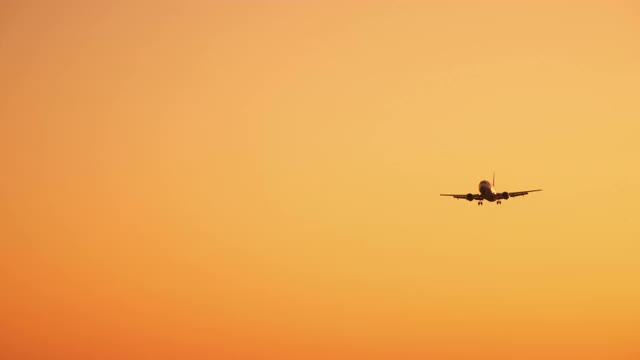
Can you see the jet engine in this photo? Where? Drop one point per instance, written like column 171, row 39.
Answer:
column 470, row 197
column 505, row 195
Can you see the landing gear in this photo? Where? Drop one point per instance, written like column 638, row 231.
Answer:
column 479, row 203
column 498, row 202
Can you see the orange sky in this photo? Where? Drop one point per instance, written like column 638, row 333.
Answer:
column 260, row 180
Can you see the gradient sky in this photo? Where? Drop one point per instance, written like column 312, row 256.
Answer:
column 260, row 180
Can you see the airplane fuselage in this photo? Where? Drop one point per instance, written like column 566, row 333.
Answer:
column 487, row 191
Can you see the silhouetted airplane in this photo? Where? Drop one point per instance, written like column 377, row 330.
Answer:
column 487, row 192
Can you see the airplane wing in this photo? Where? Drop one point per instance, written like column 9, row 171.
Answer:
column 517, row 193
column 463, row 196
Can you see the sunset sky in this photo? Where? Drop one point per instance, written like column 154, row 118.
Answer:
column 260, row 179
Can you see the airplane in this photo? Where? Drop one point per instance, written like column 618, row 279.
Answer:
column 488, row 192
